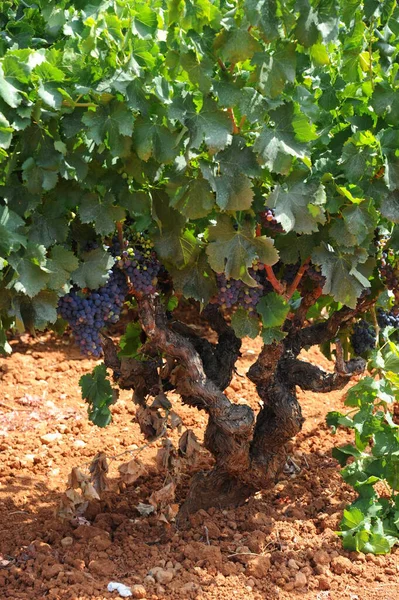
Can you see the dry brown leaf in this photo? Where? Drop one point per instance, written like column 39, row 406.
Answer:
column 166, row 456
column 145, row 509
column 189, row 447
column 131, row 471
column 89, row 491
column 76, row 477
column 152, row 424
column 71, row 504
column 98, row 470
column 161, row 401
column 175, row 421
column 164, row 496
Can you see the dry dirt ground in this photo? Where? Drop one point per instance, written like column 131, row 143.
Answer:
column 280, row 545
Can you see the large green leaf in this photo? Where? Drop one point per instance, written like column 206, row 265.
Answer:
column 278, row 144
column 232, row 251
column 299, row 206
column 343, row 279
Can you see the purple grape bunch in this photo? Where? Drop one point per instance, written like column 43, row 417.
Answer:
column 269, row 221
column 363, row 337
column 138, row 260
column 234, row 292
column 388, row 318
column 88, row 312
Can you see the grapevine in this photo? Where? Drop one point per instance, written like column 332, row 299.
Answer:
column 239, row 159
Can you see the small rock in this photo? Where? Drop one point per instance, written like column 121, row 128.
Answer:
column 321, row 557
column 191, row 587
column 139, row 591
column 258, row 567
column 52, row 571
column 102, row 566
column 149, row 580
column 341, row 564
column 163, row 576
column 66, row 541
column 300, row 580
column 292, row 564
column 49, row 438
column 324, row 583
column 79, row 444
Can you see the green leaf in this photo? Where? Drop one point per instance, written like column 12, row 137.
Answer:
column 9, row 92
column 248, row 101
column 209, row 125
column 236, row 45
column 299, row 207
column 44, row 306
column 102, row 212
column 61, row 264
column 130, row 342
column 262, row 14
column 273, row 310
column 109, row 123
column 5, row 347
column 390, row 207
column 276, row 69
column 97, row 391
column 93, row 271
column 385, row 102
column 277, row 145
column 343, row 280
column 244, row 324
column 232, row 251
column 33, row 274
column 306, row 29
column 152, row 140
column 377, row 544
column 343, row 453
column 6, row 132
column 195, row 199
column 270, row 335
column 10, row 237
column 196, row 280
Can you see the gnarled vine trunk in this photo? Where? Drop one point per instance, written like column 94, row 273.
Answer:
column 249, row 451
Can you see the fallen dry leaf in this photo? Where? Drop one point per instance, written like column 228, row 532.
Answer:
column 98, row 470
column 131, row 471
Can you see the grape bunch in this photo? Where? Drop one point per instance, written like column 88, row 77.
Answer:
column 363, row 337
column 234, row 292
column 138, row 259
column 269, row 221
column 388, row 319
column 88, row 312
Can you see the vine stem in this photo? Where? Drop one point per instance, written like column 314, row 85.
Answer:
column 232, row 119
column 277, row 285
column 297, row 279
column 120, row 233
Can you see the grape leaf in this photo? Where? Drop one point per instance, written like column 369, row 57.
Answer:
column 97, row 391
column 343, row 280
column 390, row 207
column 100, row 211
column 277, row 145
column 209, row 124
column 232, row 251
column 93, row 271
column 196, row 280
column 262, row 14
column 273, row 309
column 130, row 341
column 33, row 273
column 276, row 69
column 236, row 45
column 10, row 225
column 61, row 264
column 244, row 324
column 299, row 206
